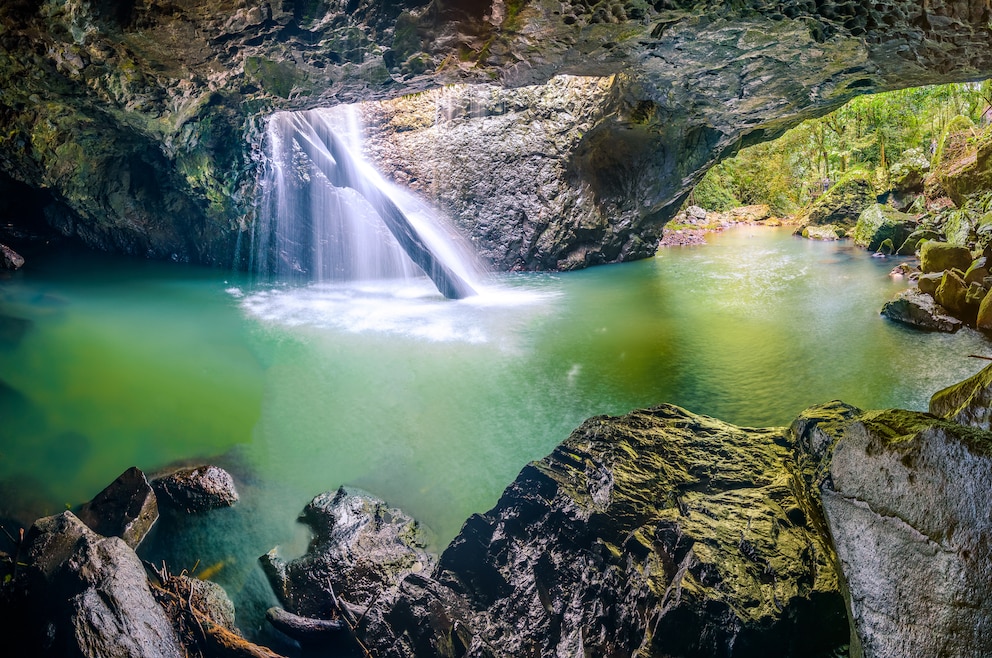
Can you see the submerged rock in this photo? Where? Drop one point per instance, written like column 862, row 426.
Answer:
column 919, row 309
column 361, row 548
column 660, row 533
column 197, row 489
column 127, row 508
column 89, row 595
column 902, row 501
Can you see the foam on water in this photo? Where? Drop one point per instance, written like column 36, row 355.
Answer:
column 405, row 307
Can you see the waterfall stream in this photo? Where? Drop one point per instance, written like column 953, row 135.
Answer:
column 328, row 216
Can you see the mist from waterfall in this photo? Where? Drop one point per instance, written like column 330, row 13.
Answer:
column 321, row 217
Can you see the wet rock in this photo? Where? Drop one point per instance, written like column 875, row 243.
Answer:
column 879, row 223
column 900, row 500
column 660, row 533
column 978, row 271
column 10, row 259
column 88, row 595
column 919, row 309
column 361, row 547
column 127, row 508
column 915, row 240
column 940, row 256
column 305, row 630
column 197, row 489
column 966, row 403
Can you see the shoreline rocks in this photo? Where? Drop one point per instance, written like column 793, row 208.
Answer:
column 197, row 489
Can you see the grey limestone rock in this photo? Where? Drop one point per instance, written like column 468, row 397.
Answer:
column 127, row 508
column 907, row 504
column 89, row 595
column 196, row 489
column 916, row 308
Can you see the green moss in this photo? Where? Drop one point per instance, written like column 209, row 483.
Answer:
column 406, row 39
column 277, row 78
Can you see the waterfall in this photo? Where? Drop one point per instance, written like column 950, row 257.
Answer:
column 327, row 215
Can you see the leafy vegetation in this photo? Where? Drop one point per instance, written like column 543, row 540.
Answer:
column 871, row 133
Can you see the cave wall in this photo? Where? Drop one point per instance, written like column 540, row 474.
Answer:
column 141, row 121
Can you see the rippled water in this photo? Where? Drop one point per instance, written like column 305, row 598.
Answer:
column 433, row 405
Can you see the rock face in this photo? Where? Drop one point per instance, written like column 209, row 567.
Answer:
column 660, row 533
column 127, row 508
column 197, row 489
column 92, row 597
column 900, row 497
column 360, row 545
column 939, row 256
column 139, row 123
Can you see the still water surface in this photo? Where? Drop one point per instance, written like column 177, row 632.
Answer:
column 431, row 404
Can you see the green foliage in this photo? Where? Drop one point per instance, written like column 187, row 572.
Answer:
column 870, row 133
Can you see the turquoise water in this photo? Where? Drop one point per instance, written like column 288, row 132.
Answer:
column 431, row 404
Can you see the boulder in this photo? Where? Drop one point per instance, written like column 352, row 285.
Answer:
column 905, row 497
column 197, row 489
column 953, row 294
column 659, row 533
column 968, row 402
column 928, row 283
column 983, row 321
column 978, row 270
column 361, row 548
column 842, row 204
column 878, row 223
column 10, row 259
column 907, row 175
column 940, row 256
column 825, row 232
column 127, row 508
column 753, row 213
column 919, row 309
column 88, row 595
column 915, row 240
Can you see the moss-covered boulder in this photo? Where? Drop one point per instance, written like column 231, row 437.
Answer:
column 878, row 223
column 940, row 256
column 658, row 533
column 842, row 204
column 970, row 172
column 952, row 294
column 968, row 402
column 912, row 244
column 983, row 321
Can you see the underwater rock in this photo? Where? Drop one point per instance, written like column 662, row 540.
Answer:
column 919, row 309
column 659, row 533
column 900, row 498
column 361, row 548
column 10, row 259
column 197, row 489
column 88, row 595
column 127, row 508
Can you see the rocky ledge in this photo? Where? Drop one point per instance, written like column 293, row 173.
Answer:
column 665, row 533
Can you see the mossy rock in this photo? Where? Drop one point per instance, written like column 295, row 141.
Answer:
column 906, row 176
column 879, row 223
column 842, row 204
column 939, row 256
column 276, row 78
column 915, row 240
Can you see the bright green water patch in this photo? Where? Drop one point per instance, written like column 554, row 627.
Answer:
column 431, row 404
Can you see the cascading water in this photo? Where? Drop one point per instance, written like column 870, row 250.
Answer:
column 328, row 216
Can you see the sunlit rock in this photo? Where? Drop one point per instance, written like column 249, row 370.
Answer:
column 878, row 223
column 939, row 256
column 914, row 307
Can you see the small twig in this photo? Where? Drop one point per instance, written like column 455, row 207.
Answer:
column 13, row 541
column 345, row 614
column 375, row 599
column 978, row 356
